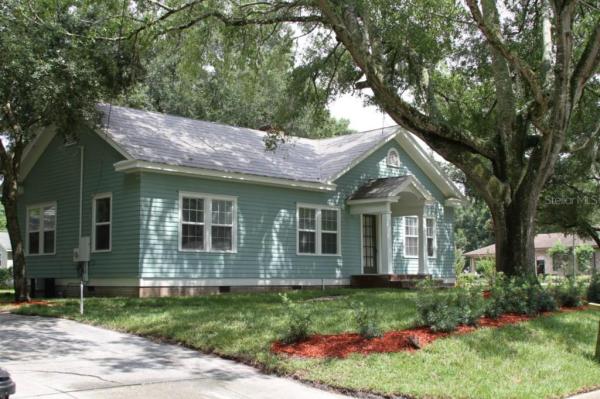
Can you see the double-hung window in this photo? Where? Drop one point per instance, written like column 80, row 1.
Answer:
column 318, row 230
column 102, row 217
column 207, row 223
column 430, row 227
column 41, row 229
column 411, row 236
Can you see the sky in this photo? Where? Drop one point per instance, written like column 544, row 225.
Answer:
column 361, row 117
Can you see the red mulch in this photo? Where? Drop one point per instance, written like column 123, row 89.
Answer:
column 342, row 345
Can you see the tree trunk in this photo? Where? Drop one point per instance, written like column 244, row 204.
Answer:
column 9, row 200
column 514, row 227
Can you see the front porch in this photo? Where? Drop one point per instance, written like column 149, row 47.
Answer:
column 398, row 232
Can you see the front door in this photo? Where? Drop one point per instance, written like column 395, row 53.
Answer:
column 369, row 251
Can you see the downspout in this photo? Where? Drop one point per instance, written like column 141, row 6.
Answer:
column 81, row 148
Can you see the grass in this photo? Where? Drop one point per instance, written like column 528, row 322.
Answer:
column 544, row 358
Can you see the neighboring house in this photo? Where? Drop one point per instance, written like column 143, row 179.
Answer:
column 180, row 206
column 5, row 250
column 542, row 242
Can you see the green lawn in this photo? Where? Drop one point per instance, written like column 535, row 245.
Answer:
column 547, row 357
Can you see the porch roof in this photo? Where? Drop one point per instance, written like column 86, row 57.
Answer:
column 388, row 188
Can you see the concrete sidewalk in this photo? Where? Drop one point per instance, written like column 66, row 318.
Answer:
column 57, row 358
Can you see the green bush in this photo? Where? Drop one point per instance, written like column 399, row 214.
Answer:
column 486, row 267
column 568, row 293
column 518, row 295
column 593, row 290
column 5, row 277
column 298, row 320
column 437, row 313
column 366, row 320
column 469, row 305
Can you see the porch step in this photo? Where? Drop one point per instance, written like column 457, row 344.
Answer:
column 407, row 281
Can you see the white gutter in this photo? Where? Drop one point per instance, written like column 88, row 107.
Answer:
column 132, row 166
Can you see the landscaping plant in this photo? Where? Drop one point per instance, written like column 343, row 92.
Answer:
column 5, row 277
column 298, row 320
column 593, row 291
column 568, row 293
column 366, row 319
column 469, row 305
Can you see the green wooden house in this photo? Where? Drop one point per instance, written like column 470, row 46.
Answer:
column 178, row 206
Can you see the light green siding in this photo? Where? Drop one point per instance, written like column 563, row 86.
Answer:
column 267, row 228
column 145, row 229
column 55, row 178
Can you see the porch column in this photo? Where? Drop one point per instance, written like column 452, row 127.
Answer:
column 387, row 266
column 423, row 269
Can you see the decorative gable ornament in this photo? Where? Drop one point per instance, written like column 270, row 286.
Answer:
column 393, row 159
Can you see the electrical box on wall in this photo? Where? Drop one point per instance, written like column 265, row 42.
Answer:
column 82, row 253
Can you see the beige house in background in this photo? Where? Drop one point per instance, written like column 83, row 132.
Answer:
column 543, row 242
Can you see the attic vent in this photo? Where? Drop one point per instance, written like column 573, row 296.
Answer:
column 70, row 140
column 393, row 159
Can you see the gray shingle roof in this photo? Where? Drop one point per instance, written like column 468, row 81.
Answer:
column 378, row 188
column 173, row 140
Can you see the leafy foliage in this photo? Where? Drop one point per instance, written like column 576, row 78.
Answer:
column 593, row 291
column 366, row 319
column 584, row 254
column 5, row 277
column 568, row 292
column 298, row 321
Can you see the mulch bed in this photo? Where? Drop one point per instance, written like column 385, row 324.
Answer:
column 342, row 345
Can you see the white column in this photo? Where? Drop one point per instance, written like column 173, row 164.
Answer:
column 423, row 269
column 387, row 266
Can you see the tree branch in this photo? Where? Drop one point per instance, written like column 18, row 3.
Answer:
column 588, row 62
column 495, row 39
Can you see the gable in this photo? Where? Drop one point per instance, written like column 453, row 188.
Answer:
column 413, row 161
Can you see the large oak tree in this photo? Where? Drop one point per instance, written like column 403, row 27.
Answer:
column 492, row 86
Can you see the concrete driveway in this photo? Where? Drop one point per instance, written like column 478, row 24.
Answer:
column 56, row 358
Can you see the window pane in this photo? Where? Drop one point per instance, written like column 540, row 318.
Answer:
column 430, row 249
column 410, row 226
column 48, row 242
column 412, row 246
column 193, row 210
column 307, row 218
column 34, row 243
column 221, row 238
column 49, row 218
column 34, row 219
column 222, row 212
column 429, row 227
column 329, row 243
column 329, row 219
column 192, row 236
column 306, row 244
column 102, row 210
column 102, row 237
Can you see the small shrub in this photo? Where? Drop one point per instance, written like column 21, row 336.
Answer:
column 522, row 296
column 486, row 267
column 366, row 320
column 469, row 305
column 437, row 310
column 467, row 280
column 5, row 277
column 568, row 293
column 297, row 322
column 593, row 291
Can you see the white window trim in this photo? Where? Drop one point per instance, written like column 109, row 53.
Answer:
column 405, row 236
column 41, row 207
column 434, row 228
column 208, row 198
column 387, row 158
column 109, row 223
column 318, row 229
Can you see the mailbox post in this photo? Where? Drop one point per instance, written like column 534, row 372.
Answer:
column 597, row 355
